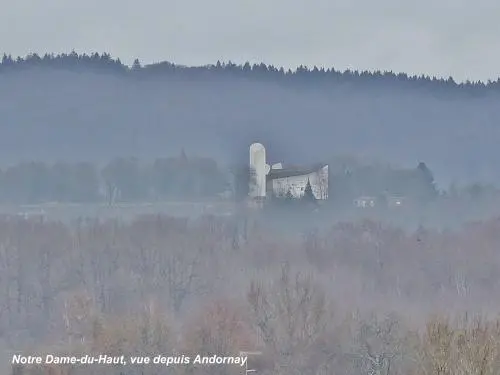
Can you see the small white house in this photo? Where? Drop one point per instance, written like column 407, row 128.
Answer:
column 365, row 202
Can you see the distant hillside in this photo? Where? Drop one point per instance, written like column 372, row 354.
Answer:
column 92, row 107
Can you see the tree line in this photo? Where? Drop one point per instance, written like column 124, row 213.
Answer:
column 122, row 179
column 127, row 179
column 317, row 76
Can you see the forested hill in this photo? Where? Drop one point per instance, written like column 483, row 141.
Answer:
column 93, row 107
column 302, row 75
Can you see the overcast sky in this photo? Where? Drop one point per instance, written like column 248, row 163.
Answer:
column 460, row 38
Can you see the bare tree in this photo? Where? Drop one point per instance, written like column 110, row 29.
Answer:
column 220, row 328
column 377, row 345
column 291, row 318
column 182, row 278
column 78, row 315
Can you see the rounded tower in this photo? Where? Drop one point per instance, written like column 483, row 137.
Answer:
column 258, row 171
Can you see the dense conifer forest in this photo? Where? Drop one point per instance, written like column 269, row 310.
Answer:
column 303, row 75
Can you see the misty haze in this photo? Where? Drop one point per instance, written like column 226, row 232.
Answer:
column 137, row 218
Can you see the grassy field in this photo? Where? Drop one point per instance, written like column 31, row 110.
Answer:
column 126, row 211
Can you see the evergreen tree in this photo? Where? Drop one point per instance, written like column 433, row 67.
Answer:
column 7, row 60
column 136, row 65
column 308, row 193
column 429, row 190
